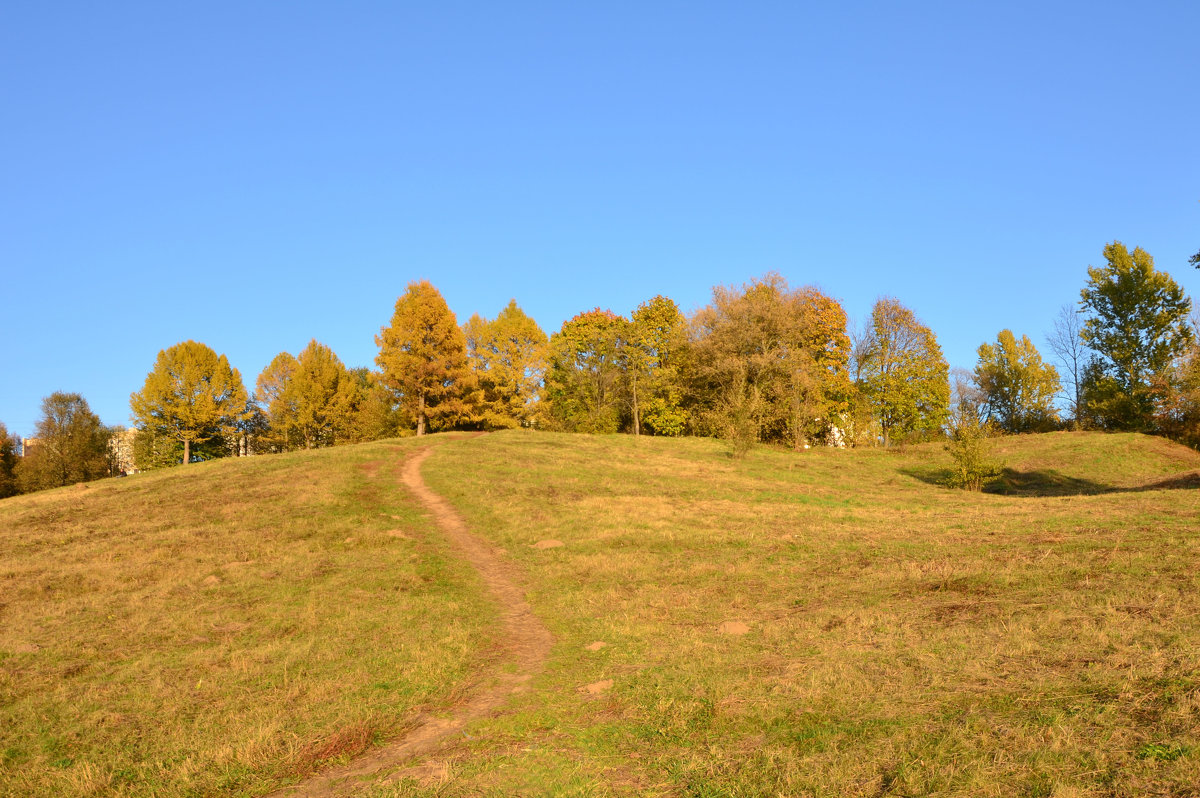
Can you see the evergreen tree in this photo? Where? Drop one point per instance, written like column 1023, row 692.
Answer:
column 423, row 359
column 192, row 396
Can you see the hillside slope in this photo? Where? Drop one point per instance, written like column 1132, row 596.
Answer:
column 224, row 628
column 818, row 623
column 1072, row 464
column 833, row 623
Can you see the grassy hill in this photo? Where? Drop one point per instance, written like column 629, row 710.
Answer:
column 220, row 629
column 821, row 623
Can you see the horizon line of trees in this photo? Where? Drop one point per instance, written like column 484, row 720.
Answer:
column 763, row 362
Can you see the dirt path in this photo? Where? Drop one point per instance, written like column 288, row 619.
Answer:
column 524, row 641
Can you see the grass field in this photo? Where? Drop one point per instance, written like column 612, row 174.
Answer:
column 222, row 629
column 825, row 623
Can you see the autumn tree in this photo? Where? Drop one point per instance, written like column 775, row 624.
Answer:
column 1177, row 391
column 652, row 348
column 373, row 414
column 192, row 396
column 1018, row 388
column 70, row 445
column 775, row 356
column 275, row 401
column 1136, row 323
column 585, row 372
column 308, row 398
column 901, row 373
column 8, row 463
column 423, row 358
column 508, row 357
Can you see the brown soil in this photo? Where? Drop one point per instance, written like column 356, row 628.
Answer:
column 595, row 688
column 525, row 643
column 733, row 628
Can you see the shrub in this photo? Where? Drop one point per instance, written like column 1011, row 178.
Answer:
column 970, row 448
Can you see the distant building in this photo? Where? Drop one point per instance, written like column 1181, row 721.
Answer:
column 25, row 444
column 120, row 450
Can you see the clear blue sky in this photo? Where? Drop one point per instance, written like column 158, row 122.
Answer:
column 253, row 175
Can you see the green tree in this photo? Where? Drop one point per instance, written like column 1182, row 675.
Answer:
column 192, row 396
column 773, row 354
column 508, row 357
column 1138, row 327
column 69, row 446
column 654, row 341
column 902, row 375
column 8, row 463
column 1018, row 388
column 423, row 358
column 583, row 380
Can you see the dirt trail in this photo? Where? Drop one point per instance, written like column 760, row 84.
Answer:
column 524, row 641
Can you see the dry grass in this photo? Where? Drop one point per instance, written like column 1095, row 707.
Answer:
column 903, row 639
column 218, row 631
column 222, row 629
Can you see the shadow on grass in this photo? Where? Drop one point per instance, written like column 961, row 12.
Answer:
column 1049, row 482
column 1043, row 482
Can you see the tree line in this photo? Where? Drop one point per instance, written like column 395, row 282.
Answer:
column 762, row 362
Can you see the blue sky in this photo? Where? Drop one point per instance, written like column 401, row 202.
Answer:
column 253, row 175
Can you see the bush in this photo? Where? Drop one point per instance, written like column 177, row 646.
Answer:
column 970, row 447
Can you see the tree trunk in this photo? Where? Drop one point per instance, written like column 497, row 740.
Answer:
column 187, row 451
column 637, row 416
column 421, row 414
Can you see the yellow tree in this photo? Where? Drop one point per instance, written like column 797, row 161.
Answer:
column 272, row 395
column 772, row 361
column 192, row 396
column 309, row 397
column 654, row 340
column 423, row 357
column 583, row 380
column 1018, row 388
column 508, row 356
column 372, row 408
column 902, row 374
